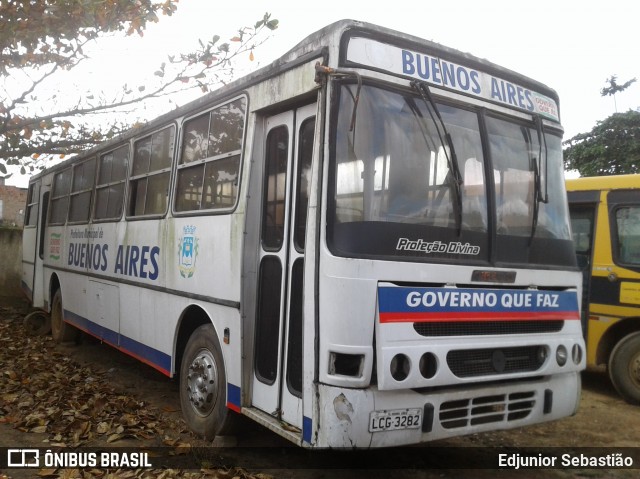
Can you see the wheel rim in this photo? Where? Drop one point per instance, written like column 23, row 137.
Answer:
column 202, row 382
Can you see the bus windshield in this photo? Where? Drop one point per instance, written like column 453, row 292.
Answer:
column 396, row 191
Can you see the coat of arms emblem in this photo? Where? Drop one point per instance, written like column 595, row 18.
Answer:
column 187, row 251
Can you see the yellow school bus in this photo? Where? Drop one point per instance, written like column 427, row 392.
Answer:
column 605, row 219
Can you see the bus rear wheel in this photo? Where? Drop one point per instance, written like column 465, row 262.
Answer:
column 624, row 368
column 37, row 323
column 60, row 331
column 203, row 386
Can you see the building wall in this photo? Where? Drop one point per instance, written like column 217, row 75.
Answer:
column 13, row 202
column 10, row 261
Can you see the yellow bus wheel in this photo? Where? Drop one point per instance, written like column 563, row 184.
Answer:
column 624, row 368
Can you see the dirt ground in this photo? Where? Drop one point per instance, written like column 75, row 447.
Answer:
column 89, row 395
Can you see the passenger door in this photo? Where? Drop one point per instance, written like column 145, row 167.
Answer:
column 583, row 220
column 624, row 218
column 31, row 234
column 37, row 216
column 277, row 378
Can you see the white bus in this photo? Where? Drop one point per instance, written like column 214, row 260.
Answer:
column 364, row 244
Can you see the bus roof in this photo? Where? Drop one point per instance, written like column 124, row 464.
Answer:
column 315, row 45
column 613, row 182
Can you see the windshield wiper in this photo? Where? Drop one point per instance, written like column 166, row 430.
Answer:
column 543, row 196
column 445, row 139
column 538, row 195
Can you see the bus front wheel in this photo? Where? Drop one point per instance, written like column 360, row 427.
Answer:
column 60, row 331
column 624, row 368
column 203, row 385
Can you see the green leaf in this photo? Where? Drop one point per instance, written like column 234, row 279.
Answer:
column 3, row 169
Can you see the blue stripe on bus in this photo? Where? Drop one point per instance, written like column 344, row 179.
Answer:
column 158, row 358
column 148, row 355
column 79, row 322
column 233, row 397
column 307, row 424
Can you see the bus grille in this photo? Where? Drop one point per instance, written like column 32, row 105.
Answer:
column 486, row 409
column 483, row 362
column 477, row 328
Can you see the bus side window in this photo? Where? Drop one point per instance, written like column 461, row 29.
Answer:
column 582, row 222
column 150, row 170
column 110, row 188
column 60, row 197
column 628, row 232
column 81, row 191
column 32, row 202
column 305, row 153
column 273, row 209
column 208, row 169
column 43, row 219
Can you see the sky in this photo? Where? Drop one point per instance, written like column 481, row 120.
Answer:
column 573, row 46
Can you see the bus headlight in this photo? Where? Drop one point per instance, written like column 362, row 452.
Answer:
column 576, row 354
column 561, row 355
column 541, row 355
column 400, row 367
column 428, row 365
column 343, row 364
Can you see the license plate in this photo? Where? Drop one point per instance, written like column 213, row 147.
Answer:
column 392, row 420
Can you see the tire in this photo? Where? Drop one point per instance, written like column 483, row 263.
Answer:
column 203, row 386
column 37, row 323
column 60, row 331
column 624, row 368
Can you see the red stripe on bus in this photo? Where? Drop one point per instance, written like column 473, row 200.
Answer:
column 124, row 350
column 440, row 317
